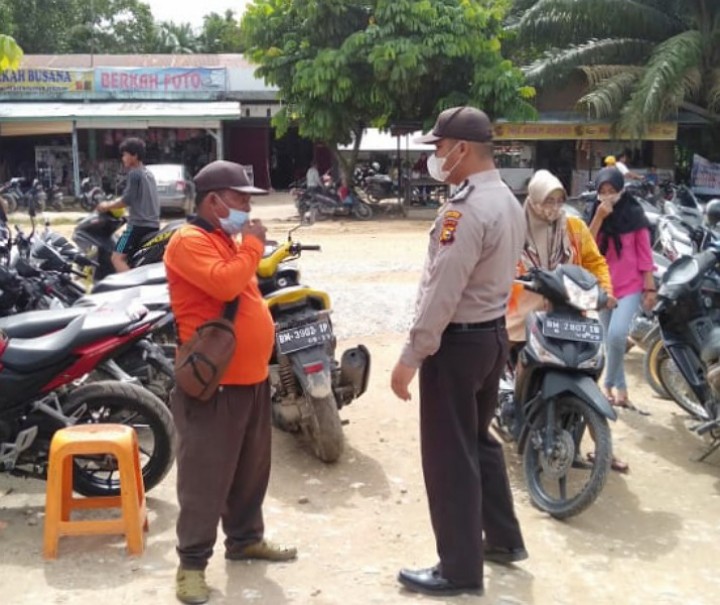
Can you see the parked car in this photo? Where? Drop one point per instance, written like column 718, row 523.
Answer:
column 176, row 190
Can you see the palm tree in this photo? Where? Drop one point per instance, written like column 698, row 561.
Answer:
column 644, row 59
column 175, row 39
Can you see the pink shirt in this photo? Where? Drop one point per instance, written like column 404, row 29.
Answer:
column 635, row 259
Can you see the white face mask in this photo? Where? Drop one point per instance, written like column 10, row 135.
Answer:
column 436, row 166
column 610, row 198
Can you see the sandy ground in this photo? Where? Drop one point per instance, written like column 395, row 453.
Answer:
column 653, row 536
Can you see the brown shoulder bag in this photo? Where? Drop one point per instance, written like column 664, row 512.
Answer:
column 201, row 361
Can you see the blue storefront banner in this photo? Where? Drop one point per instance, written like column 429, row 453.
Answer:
column 160, row 80
column 705, row 178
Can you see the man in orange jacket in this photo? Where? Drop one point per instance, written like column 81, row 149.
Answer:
column 223, row 461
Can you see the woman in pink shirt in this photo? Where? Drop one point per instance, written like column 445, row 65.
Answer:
column 621, row 229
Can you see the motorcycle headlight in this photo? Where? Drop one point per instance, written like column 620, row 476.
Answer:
column 540, row 351
column 581, row 299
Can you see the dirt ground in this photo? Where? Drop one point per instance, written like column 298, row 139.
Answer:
column 653, row 536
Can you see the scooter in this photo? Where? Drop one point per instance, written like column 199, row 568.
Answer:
column 327, row 204
column 309, row 386
column 688, row 311
column 547, row 404
column 90, row 196
column 96, row 236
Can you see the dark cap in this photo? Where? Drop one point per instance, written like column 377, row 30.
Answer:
column 221, row 174
column 461, row 123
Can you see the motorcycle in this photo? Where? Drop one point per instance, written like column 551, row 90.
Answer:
column 677, row 239
column 327, row 204
column 309, row 386
column 96, row 237
column 373, row 185
column 688, row 312
column 33, row 198
column 552, row 397
column 43, row 388
column 90, row 195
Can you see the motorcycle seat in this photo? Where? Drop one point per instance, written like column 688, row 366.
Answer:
column 153, row 297
column 711, row 351
column 140, row 276
column 38, row 323
column 28, row 354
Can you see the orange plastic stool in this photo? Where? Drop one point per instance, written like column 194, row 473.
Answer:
column 93, row 439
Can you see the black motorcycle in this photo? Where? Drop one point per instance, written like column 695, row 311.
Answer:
column 551, row 397
column 688, row 311
column 91, row 195
column 96, row 236
column 327, row 204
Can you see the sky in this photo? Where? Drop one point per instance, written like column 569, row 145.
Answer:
column 185, row 11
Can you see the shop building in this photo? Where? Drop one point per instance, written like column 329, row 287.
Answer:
column 63, row 117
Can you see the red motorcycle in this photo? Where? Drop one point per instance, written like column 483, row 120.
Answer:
column 44, row 386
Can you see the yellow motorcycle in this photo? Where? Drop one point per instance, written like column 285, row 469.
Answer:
column 309, row 386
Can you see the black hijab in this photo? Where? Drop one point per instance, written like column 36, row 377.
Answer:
column 627, row 215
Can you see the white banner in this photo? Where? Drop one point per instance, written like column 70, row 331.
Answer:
column 705, row 176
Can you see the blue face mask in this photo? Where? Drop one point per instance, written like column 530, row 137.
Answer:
column 233, row 223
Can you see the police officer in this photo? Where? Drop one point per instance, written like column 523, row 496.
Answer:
column 459, row 343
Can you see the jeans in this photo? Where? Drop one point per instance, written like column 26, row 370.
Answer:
column 616, row 323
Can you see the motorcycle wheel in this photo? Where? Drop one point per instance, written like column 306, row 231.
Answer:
column 549, row 478
column 324, row 428
column 678, row 388
column 117, row 402
column 651, row 367
column 362, row 211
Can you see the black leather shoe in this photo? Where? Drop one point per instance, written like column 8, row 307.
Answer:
column 504, row 556
column 430, row 582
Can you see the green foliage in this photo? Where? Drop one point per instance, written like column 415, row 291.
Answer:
column 663, row 53
column 10, row 53
column 221, row 34
column 78, row 26
column 342, row 65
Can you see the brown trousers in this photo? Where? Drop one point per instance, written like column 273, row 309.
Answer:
column 464, row 467
column 223, row 468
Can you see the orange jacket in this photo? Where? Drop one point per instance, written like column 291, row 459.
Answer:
column 206, row 269
column 584, row 253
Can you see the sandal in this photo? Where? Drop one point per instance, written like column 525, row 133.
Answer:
column 617, row 465
column 629, row 405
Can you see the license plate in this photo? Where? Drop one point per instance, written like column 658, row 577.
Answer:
column 303, row 337
column 580, row 330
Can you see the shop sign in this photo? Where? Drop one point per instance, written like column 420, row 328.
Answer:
column 160, row 80
column 46, row 80
column 539, row 131
column 705, row 178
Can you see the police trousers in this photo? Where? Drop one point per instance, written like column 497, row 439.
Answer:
column 463, row 464
column 223, row 468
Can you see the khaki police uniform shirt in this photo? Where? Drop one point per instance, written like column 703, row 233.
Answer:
column 475, row 245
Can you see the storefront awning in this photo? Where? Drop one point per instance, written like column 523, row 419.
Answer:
column 55, row 118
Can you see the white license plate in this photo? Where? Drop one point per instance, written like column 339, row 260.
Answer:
column 304, row 336
column 579, row 330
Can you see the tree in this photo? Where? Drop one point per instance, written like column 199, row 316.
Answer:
column 174, row 39
column 643, row 58
column 79, row 26
column 221, row 34
column 343, row 65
